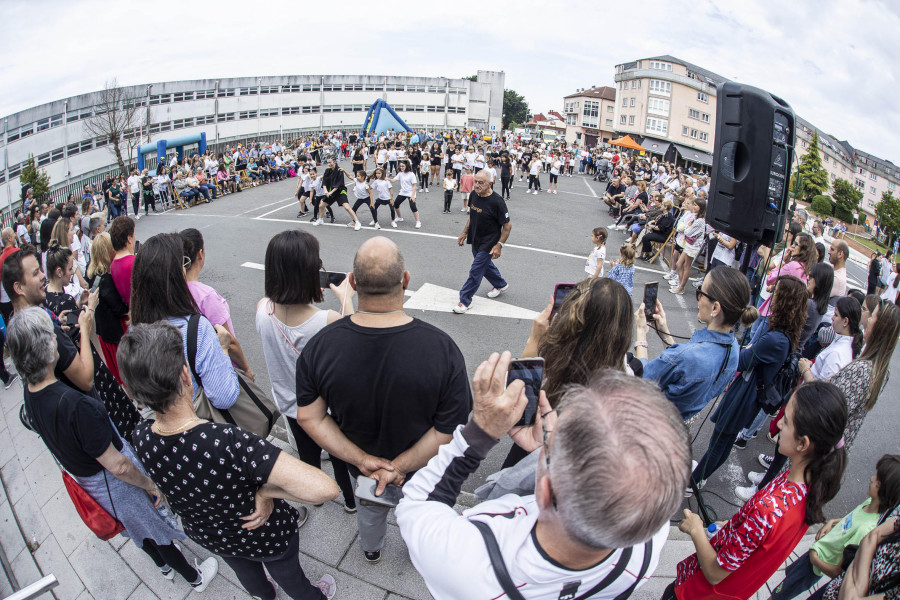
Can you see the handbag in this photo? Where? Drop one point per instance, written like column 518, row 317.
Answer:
column 253, row 411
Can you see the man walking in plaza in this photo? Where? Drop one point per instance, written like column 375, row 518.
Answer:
column 487, row 229
column 379, row 389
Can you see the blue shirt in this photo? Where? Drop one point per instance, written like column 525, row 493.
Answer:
column 624, row 275
column 692, row 374
column 220, row 382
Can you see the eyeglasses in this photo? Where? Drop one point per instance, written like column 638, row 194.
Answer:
column 547, row 445
column 702, row 293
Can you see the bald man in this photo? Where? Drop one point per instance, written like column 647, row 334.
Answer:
column 487, row 229
column 396, row 387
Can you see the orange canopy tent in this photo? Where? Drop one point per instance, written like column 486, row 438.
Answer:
column 627, row 142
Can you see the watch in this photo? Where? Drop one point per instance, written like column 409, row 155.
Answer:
column 500, row 244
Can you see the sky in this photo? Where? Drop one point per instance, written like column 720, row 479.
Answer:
column 832, row 61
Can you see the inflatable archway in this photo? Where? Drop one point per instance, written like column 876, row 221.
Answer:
column 178, row 143
column 382, row 117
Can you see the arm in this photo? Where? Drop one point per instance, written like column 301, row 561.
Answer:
column 462, row 237
column 220, row 382
column 504, row 235
column 123, row 469
column 81, row 370
column 828, row 569
column 539, row 327
column 856, row 582
column 706, row 554
column 296, row 481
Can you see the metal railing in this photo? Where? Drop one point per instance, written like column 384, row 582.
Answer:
column 36, row 589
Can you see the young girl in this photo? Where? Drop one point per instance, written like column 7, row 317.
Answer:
column 594, row 265
column 449, row 187
column 750, row 548
column 466, row 185
column 623, row 270
column 555, row 166
column 407, row 180
column 694, row 238
column 362, row 191
column 385, row 192
column 684, row 221
column 424, row 168
column 318, row 194
column 534, row 174
column 506, row 175
column 303, row 191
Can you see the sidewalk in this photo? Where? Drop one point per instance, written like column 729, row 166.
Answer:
column 41, row 534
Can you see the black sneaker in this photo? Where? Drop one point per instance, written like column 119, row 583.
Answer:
column 13, row 377
column 765, row 460
column 372, row 557
column 740, row 443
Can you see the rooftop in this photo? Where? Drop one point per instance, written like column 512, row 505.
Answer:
column 604, row 93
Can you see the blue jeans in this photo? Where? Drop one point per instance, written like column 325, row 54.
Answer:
column 798, row 578
column 749, row 432
column 718, row 452
column 482, row 267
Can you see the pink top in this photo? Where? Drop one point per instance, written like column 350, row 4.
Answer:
column 120, row 269
column 212, row 306
column 794, row 268
column 466, row 183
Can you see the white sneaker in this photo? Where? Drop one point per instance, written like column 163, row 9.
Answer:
column 137, row 217
column 327, row 585
column 497, row 291
column 371, row 223
column 351, row 224
column 357, row 226
column 317, row 222
column 170, row 574
column 556, row 192
column 208, row 570
column 755, row 477
column 745, row 493
column 418, row 224
column 394, row 224
column 377, row 226
column 399, row 219
column 460, row 308
column 426, row 190
column 463, row 209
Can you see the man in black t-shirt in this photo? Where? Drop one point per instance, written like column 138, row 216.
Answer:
column 615, row 195
column 487, row 229
column 335, row 191
column 396, row 387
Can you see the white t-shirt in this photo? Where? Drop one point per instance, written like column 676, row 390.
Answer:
column 723, row 253
column 381, row 155
column 392, row 155
column 492, row 171
column 134, row 184
column 22, row 232
column 361, row 190
column 470, row 158
column 457, row 161
column 479, row 161
column 536, row 166
column 554, row 168
column 834, row 357
column 383, row 188
column 595, row 259
column 407, row 183
column 449, row 183
column 316, row 187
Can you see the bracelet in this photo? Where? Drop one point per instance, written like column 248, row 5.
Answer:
column 804, row 371
column 640, row 344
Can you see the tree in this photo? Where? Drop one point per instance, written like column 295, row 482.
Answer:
column 118, row 116
column 795, row 187
column 814, row 177
column 471, row 78
column 514, row 108
column 36, row 179
column 847, row 198
column 888, row 213
column 822, row 206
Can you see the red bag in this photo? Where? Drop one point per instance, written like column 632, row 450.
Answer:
column 103, row 524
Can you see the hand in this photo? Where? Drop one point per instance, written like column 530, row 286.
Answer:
column 345, row 290
column 541, row 324
column 495, row 251
column 640, row 321
column 461, row 239
column 804, row 364
column 531, row 438
column 93, row 299
column 372, row 464
column 660, row 317
column 86, row 319
column 825, row 529
column 155, row 496
column 224, row 336
column 691, row 523
column 497, row 407
column 385, row 478
column 250, row 374
column 260, row 515
column 613, row 263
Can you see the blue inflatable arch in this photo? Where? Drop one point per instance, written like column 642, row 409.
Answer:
column 382, row 117
column 178, row 143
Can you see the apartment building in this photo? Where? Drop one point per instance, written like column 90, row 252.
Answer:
column 590, row 116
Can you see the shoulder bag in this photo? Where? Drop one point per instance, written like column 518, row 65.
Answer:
column 776, row 394
column 253, row 410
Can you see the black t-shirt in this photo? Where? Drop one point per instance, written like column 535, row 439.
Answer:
column 147, row 183
column 333, row 179
column 67, row 352
column 75, row 427
column 210, row 475
column 386, row 387
column 614, row 190
column 526, row 159
column 642, row 197
column 487, row 216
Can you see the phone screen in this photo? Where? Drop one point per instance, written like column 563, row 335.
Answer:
column 651, row 292
column 365, row 490
column 531, row 372
column 559, row 295
column 72, row 318
column 327, row 278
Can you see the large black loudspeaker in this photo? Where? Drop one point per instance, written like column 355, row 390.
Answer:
column 753, row 154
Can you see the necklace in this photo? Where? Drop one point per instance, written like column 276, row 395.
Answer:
column 162, row 431
column 390, row 312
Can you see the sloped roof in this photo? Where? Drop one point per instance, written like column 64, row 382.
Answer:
column 712, row 78
column 604, row 93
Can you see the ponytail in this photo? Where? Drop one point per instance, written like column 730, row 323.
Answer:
column 820, row 414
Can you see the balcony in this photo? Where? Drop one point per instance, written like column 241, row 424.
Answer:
column 666, row 76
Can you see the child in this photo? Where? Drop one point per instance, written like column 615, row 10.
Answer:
column 824, row 556
column 362, row 191
column 555, row 167
column 424, row 167
column 318, row 195
column 466, row 185
column 623, row 270
column 449, row 188
column 385, row 192
column 594, row 265
column 303, row 192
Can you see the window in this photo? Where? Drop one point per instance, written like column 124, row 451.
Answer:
column 374, row 87
column 247, row 91
column 160, row 99
column 873, row 177
column 208, row 119
column 843, row 169
column 226, row 117
column 226, row 92
column 803, row 143
column 861, row 184
column 658, row 106
column 631, row 103
column 657, row 125
column 290, row 110
column 591, row 109
column 328, row 87
column 353, row 87
column 205, row 94
column 311, row 87
column 661, row 66
column 703, row 97
column 685, row 130
column 872, row 189
column 696, row 114
column 14, row 170
column 704, row 137
column 84, row 113
column 634, row 84
column 435, row 89
column 415, row 88
column 247, row 114
column 49, row 122
column 625, row 102
column 399, row 88
column 861, row 171
column 609, row 123
column 80, row 147
column 833, row 176
column 631, row 119
column 101, row 141
column 182, row 96
column 288, row 89
column 436, row 109
column 310, row 110
column 658, row 86
column 870, row 202
column 891, row 185
column 610, row 108
column 269, row 89
column 268, row 112
column 182, row 123
column 623, row 120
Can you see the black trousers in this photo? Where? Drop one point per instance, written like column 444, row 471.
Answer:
column 171, row 556
column 361, row 202
column 311, row 453
column 653, row 236
column 285, row 570
column 505, row 186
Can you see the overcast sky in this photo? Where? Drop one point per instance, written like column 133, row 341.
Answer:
column 831, row 60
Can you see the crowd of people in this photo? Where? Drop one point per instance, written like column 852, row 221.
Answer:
column 386, row 396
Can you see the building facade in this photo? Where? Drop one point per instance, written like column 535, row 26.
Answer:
column 590, row 116
column 234, row 109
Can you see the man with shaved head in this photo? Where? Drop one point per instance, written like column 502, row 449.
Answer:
column 381, row 390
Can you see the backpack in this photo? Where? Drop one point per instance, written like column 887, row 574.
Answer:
column 773, row 396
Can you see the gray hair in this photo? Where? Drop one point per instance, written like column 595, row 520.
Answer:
column 94, row 224
column 151, row 358
column 378, row 268
column 620, row 461
column 31, row 341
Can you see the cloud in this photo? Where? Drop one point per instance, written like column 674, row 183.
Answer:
column 831, row 60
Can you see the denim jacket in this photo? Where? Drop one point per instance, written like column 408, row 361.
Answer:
column 692, row 374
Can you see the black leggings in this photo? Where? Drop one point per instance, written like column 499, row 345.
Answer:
column 412, row 203
column 382, row 203
column 448, row 198
column 171, row 556
column 315, row 204
column 285, row 570
column 311, row 453
column 554, row 178
column 505, row 187
column 365, row 201
column 423, row 180
column 649, row 238
column 535, row 181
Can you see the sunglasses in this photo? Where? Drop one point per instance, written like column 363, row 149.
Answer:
column 702, row 293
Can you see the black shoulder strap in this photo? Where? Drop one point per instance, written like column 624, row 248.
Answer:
column 497, row 562
column 645, row 566
column 193, row 328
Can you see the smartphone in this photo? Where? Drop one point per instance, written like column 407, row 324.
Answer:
column 96, row 284
column 365, row 490
column 651, row 293
column 559, row 294
column 326, row 278
column 531, row 372
column 72, row 318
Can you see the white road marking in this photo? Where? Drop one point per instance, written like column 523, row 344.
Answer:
column 283, row 200
column 590, row 188
column 440, row 299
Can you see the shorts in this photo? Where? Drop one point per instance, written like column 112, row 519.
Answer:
column 339, row 198
column 678, row 248
column 554, row 178
column 692, row 251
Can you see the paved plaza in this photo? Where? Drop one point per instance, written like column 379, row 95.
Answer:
column 41, row 533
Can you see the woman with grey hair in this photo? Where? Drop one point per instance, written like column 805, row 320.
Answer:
column 78, row 432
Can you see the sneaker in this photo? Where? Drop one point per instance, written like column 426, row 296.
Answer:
column 676, row 291
column 207, row 570
column 327, row 586
column 318, row 222
column 304, row 516
column 399, row 219
column 371, row 223
column 13, row 377
column 357, row 226
column 167, row 572
column 426, row 190
column 351, row 224
column 556, row 192
column 418, row 224
column 463, row 209
column 377, row 226
column 314, row 219
column 740, row 443
column 460, row 308
column 350, row 509
column 771, row 437
column 372, row 557
column 765, row 460
column 755, row 477
column 497, row 291
column 394, row 224
column 745, row 493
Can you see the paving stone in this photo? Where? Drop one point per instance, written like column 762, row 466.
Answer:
column 143, row 593
column 67, row 527
column 43, row 476
column 673, row 553
column 147, row 571
column 7, row 448
column 395, row 572
column 51, row 559
column 12, row 398
column 328, row 533
column 31, row 521
column 5, row 587
column 653, row 589
column 222, row 589
column 85, row 595
column 192, row 551
column 348, row 586
column 25, row 569
column 28, row 446
column 103, row 572
column 10, row 537
column 14, row 480
column 118, row 541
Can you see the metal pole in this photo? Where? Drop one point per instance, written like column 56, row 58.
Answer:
column 258, row 94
